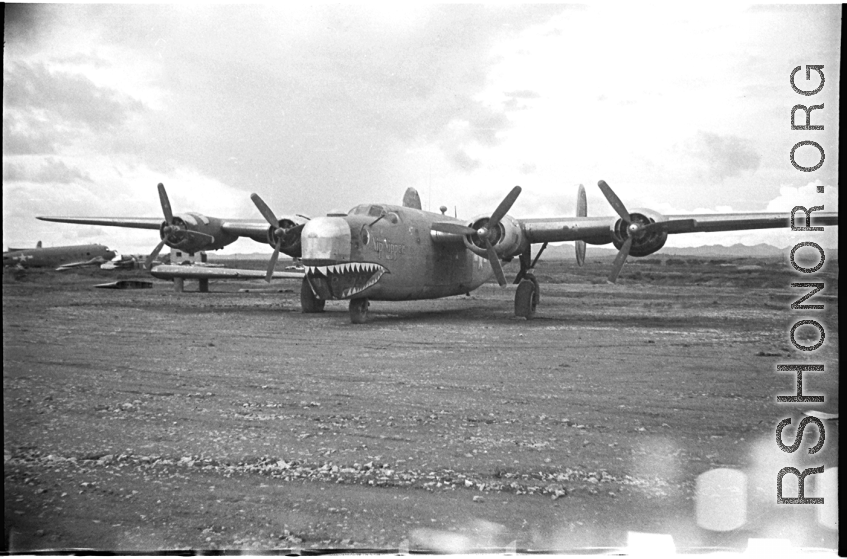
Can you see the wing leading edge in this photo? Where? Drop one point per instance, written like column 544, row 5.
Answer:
column 598, row 230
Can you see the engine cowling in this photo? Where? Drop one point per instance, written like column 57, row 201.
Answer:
column 212, row 235
column 508, row 239
column 645, row 244
column 290, row 238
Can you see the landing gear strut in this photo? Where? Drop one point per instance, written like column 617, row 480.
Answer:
column 359, row 310
column 309, row 303
column 527, row 297
column 528, row 293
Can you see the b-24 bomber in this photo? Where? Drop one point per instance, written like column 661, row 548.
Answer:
column 385, row 252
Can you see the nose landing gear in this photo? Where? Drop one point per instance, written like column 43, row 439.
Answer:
column 309, row 303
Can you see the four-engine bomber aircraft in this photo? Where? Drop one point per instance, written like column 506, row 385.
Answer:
column 391, row 253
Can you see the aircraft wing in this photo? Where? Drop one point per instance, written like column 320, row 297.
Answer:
column 92, row 262
column 248, row 228
column 240, row 227
column 170, row 271
column 597, row 230
column 132, row 222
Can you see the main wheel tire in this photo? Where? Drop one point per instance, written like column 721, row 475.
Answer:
column 526, row 298
column 537, row 298
column 359, row 310
column 309, row 303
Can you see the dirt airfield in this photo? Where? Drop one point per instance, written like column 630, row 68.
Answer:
column 146, row 420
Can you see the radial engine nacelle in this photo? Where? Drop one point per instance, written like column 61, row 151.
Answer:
column 508, row 239
column 288, row 233
column 643, row 244
column 193, row 232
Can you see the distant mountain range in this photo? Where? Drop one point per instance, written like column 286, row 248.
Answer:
column 565, row 251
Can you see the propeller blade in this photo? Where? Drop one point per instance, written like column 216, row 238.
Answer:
column 614, row 201
column 580, row 252
column 504, row 207
column 166, row 204
column 272, row 263
column 149, row 263
column 495, row 263
column 455, row 228
column 581, row 202
column 581, row 211
column 265, row 210
column 620, row 259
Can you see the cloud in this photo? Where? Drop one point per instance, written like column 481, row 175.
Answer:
column 725, row 155
column 522, row 94
column 808, row 195
column 44, row 110
column 72, row 98
column 21, row 21
column 286, row 102
column 330, row 106
column 23, row 134
column 514, row 98
column 51, row 171
column 464, row 161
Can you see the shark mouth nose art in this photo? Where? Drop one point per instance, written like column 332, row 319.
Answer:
column 342, row 281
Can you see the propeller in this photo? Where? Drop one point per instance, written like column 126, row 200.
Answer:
column 581, row 211
column 279, row 233
column 172, row 232
column 636, row 229
column 455, row 228
column 486, row 232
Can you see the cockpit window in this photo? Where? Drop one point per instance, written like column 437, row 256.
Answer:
column 376, row 211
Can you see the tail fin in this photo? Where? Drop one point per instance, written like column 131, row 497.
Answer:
column 411, row 199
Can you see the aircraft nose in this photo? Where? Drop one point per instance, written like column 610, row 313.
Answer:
column 325, row 240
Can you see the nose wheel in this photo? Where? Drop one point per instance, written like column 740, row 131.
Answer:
column 359, row 310
column 309, row 303
column 527, row 297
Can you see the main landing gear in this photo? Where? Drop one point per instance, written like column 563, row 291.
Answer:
column 527, row 296
column 309, row 303
column 528, row 293
column 359, row 310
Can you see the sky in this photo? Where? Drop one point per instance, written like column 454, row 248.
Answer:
column 320, row 108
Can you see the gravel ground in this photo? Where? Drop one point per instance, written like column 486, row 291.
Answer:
column 145, row 420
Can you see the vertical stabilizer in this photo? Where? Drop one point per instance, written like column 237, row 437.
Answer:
column 411, row 199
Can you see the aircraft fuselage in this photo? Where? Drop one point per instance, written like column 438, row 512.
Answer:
column 386, row 252
column 56, row 256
